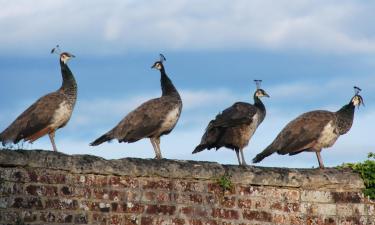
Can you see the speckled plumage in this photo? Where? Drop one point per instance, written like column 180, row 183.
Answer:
column 311, row 131
column 234, row 127
column 47, row 114
column 152, row 119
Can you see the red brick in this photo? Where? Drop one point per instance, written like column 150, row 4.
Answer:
column 189, row 186
column 346, row 197
column 216, row 189
column 244, row 203
column 191, row 211
column 257, row 215
column 189, row 198
column 225, row 213
column 61, row 204
column 291, row 207
column 128, row 207
column 92, row 180
column 27, row 203
column 160, row 209
column 131, row 220
column 47, row 191
column 123, row 182
column 158, row 184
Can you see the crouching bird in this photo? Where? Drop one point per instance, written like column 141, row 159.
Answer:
column 152, row 119
column 49, row 113
column 234, row 127
column 313, row 131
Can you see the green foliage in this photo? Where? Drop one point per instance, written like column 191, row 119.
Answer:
column 225, row 183
column 367, row 171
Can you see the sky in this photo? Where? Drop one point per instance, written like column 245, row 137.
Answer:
column 309, row 54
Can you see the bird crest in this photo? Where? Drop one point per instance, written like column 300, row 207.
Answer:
column 357, row 90
column 258, row 83
column 56, row 50
column 162, row 58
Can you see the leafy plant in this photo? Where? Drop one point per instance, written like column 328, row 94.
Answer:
column 367, row 171
column 225, row 183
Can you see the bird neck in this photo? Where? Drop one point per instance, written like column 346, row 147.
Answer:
column 345, row 118
column 259, row 104
column 69, row 85
column 167, row 86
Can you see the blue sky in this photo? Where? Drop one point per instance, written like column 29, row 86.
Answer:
column 308, row 53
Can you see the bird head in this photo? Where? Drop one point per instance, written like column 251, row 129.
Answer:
column 357, row 100
column 64, row 56
column 260, row 92
column 159, row 64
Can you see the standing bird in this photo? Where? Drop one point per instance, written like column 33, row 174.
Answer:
column 313, row 131
column 152, row 119
column 234, row 127
column 49, row 113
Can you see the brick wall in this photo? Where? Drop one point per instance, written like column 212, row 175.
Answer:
column 43, row 187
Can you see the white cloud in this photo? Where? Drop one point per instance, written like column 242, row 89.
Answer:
column 117, row 26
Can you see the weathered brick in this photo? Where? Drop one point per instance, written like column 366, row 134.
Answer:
column 123, row 182
column 131, row 220
column 61, row 204
column 92, row 180
column 244, row 203
column 37, row 190
column 257, row 215
column 29, row 216
column 27, row 203
column 189, row 186
column 228, row 214
column 10, row 188
column 202, row 222
column 357, row 220
column 318, row 209
column 350, row 209
column 216, row 189
column 320, row 220
column 317, row 196
column 160, row 209
column 189, row 198
column 193, row 212
column 162, row 184
column 291, row 207
column 130, row 207
column 48, row 217
column 346, row 197
column 81, row 219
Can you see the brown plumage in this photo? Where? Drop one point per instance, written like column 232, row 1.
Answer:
column 47, row 114
column 234, row 127
column 152, row 119
column 312, row 131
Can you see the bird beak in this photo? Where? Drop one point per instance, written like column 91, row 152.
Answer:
column 73, row 56
column 153, row 66
column 266, row 95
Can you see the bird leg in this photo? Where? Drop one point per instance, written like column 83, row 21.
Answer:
column 238, row 157
column 52, row 138
column 157, row 142
column 243, row 158
column 156, row 149
column 320, row 160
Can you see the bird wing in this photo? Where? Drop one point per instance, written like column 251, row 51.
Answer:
column 302, row 132
column 33, row 119
column 144, row 120
column 238, row 113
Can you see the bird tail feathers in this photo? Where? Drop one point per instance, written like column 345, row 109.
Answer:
column 267, row 152
column 103, row 138
column 199, row 148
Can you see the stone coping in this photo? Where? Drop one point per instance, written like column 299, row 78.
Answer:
column 326, row 179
